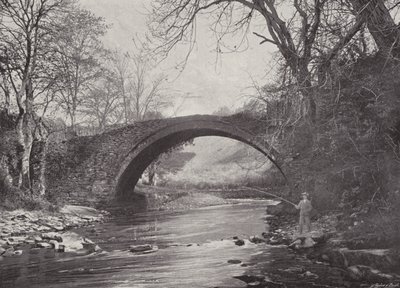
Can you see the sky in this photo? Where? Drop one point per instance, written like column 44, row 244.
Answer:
column 205, row 85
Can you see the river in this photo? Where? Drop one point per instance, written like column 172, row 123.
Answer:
column 194, row 249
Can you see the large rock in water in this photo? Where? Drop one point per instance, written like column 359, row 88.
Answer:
column 281, row 209
column 302, row 243
column 362, row 272
column 90, row 246
column 382, row 259
column 145, row 248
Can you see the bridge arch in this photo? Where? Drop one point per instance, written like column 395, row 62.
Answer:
column 160, row 140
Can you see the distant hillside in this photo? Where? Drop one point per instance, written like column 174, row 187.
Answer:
column 221, row 161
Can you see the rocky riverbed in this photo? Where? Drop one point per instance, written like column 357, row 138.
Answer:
column 326, row 244
column 21, row 230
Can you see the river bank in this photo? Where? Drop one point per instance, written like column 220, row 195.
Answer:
column 22, row 230
column 173, row 199
column 327, row 244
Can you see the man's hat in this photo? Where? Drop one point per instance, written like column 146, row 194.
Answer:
column 304, row 193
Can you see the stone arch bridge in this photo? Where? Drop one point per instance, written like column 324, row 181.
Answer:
column 109, row 165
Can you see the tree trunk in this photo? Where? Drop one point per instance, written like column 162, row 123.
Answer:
column 122, row 83
column 304, row 81
column 26, row 130
column 72, row 118
column 151, row 173
column 380, row 24
column 25, row 140
column 7, row 96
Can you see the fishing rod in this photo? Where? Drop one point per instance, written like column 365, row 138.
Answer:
column 270, row 194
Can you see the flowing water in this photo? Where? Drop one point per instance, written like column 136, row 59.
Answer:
column 194, row 249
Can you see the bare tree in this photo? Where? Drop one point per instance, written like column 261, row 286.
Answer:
column 120, row 63
column 25, row 30
column 79, row 54
column 5, row 96
column 380, row 24
column 145, row 89
column 341, row 36
column 293, row 28
column 103, row 102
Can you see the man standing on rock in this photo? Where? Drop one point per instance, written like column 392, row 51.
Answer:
column 305, row 211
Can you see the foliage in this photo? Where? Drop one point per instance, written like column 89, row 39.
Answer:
column 171, row 161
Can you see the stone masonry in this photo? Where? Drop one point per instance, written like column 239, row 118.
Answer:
column 108, row 166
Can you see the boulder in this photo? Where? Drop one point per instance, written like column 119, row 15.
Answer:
column 234, row 261
column 54, row 244
column 309, row 274
column 29, row 241
column 239, row 242
column 267, row 235
column 281, row 209
column 258, row 281
column 9, row 252
column 37, row 238
column 44, row 245
column 296, row 270
column 52, row 236
column 140, row 248
column 91, row 247
column 366, row 273
column 319, row 237
column 279, row 239
column 19, row 217
column 43, row 228
column 61, row 248
column 256, row 240
column 302, row 243
column 143, row 249
column 15, row 240
column 354, row 273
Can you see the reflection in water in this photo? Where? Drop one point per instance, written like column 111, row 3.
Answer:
column 195, row 247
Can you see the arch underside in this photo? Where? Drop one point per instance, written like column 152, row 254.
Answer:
column 143, row 155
